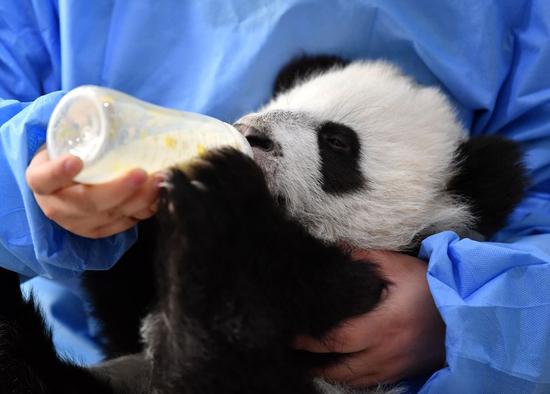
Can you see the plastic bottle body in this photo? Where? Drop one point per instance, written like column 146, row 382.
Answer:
column 113, row 132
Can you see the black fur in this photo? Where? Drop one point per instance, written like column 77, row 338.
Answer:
column 29, row 363
column 340, row 149
column 122, row 296
column 304, row 67
column 237, row 281
column 492, row 178
column 243, row 281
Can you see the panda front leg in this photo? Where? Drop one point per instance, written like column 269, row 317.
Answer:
column 29, row 362
column 238, row 280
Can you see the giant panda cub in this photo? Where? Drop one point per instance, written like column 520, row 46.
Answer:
column 251, row 253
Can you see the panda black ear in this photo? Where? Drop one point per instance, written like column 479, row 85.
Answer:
column 492, row 178
column 304, row 66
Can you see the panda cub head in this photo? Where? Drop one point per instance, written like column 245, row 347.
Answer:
column 360, row 153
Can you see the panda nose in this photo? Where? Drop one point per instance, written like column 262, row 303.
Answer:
column 255, row 137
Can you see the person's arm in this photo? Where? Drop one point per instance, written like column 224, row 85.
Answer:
column 30, row 243
column 495, row 301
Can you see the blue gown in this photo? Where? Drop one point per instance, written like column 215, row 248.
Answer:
column 220, row 58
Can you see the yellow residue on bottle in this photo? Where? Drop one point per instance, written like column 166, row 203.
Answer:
column 170, row 142
column 120, row 167
column 201, row 150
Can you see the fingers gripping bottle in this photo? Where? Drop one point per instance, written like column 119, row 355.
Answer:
column 113, row 132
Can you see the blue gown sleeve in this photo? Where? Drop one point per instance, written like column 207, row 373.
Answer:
column 495, row 296
column 31, row 244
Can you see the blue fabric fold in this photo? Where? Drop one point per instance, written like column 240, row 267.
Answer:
column 494, row 299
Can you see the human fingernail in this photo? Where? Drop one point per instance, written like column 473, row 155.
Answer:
column 71, row 165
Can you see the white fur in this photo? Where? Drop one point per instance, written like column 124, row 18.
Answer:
column 409, row 135
column 333, row 388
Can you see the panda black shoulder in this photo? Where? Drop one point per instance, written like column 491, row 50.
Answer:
column 492, row 178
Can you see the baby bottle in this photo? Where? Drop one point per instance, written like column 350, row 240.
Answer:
column 113, row 132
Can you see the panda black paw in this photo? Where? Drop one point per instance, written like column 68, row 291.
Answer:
column 214, row 212
column 218, row 194
column 25, row 342
column 338, row 289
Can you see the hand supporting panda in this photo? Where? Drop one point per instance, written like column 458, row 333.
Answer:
column 403, row 337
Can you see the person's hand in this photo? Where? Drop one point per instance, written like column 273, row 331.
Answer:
column 403, row 337
column 92, row 211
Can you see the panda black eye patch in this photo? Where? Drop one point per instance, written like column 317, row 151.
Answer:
column 339, row 148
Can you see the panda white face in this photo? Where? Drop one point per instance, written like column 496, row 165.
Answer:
column 362, row 154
